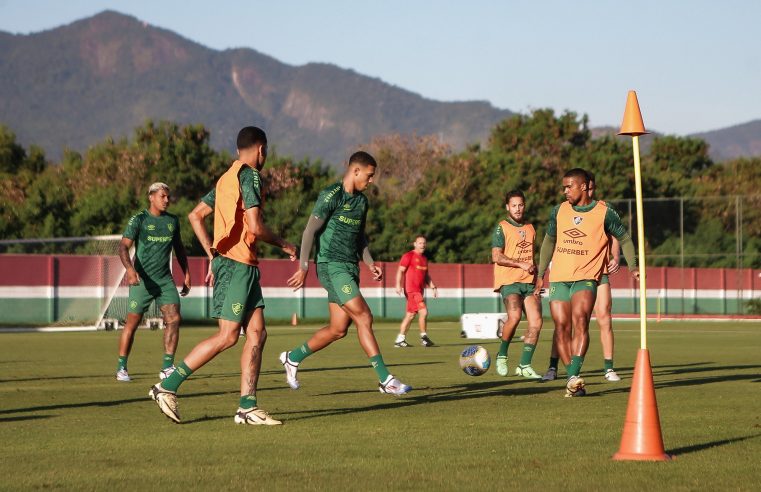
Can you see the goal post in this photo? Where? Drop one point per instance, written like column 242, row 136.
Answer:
column 65, row 284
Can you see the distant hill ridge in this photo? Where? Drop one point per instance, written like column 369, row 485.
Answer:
column 74, row 85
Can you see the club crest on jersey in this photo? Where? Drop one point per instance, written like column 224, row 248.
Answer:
column 346, row 289
column 522, row 234
column 237, row 308
column 170, row 227
column 577, row 220
column 133, row 304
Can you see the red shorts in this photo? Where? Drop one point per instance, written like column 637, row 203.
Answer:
column 415, row 302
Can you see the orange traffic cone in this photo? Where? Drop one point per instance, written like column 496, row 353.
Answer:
column 642, row 438
column 632, row 123
column 294, row 320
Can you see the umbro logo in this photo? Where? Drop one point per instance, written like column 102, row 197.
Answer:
column 151, row 227
column 524, row 244
column 347, row 206
column 574, row 233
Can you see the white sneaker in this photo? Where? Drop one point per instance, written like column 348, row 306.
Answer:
column 165, row 373
column 527, row 372
column 502, row 365
column 123, row 375
column 550, row 375
column 291, row 368
column 611, row 376
column 393, row 386
column 167, row 402
column 254, row 416
column 575, row 387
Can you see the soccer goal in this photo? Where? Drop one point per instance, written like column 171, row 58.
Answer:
column 65, row 284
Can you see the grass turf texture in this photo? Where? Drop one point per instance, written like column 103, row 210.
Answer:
column 66, row 423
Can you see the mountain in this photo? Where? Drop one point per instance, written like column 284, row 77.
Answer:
column 102, row 76
column 735, row 141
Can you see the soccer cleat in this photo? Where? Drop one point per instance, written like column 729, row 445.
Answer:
column 167, row 402
column 291, row 368
column 402, row 344
column 575, row 387
column 393, row 386
column 550, row 375
column 165, row 373
column 426, row 342
column 462, row 334
column 502, row 365
column 254, row 416
column 611, row 376
column 527, row 372
column 123, row 376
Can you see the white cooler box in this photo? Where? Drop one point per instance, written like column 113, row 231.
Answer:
column 483, row 325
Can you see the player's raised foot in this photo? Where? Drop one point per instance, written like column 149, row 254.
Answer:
column 502, row 365
column 527, row 372
column 393, row 386
column 575, row 387
column 165, row 373
column 402, row 344
column 254, row 416
column 550, row 375
column 123, row 376
column 167, row 402
column 291, row 368
column 426, row 342
column 611, row 376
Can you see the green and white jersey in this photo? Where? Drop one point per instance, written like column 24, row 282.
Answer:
column 343, row 235
column 153, row 238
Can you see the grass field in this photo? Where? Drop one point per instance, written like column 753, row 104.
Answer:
column 66, row 424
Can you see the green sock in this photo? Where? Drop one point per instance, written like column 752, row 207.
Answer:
column 299, row 353
column 503, row 348
column 122, row 363
column 380, row 367
column 178, row 377
column 167, row 361
column 608, row 365
column 575, row 368
column 528, row 354
column 554, row 362
column 247, row 402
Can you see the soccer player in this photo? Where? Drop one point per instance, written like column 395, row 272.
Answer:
column 603, row 306
column 512, row 252
column 238, row 225
column 413, row 268
column 154, row 232
column 578, row 258
column 338, row 223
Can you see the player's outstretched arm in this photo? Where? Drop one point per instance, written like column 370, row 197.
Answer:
column 498, row 257
column 314, row 224
column 261, row 231
column 124, row 247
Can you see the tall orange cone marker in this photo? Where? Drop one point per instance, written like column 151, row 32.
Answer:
column 294, row 320
column 642, row 438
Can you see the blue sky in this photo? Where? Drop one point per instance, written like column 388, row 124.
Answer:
column 696, row 65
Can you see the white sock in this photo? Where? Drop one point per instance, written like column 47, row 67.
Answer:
column 400, row 338
column 424, row 334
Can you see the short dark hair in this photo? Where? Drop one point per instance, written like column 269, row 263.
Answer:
column 591, row 177
column 578, row 172
column 250, row 136
column 514, row 193
column 363, row 159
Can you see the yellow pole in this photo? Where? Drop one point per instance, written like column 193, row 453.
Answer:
column 640, row 244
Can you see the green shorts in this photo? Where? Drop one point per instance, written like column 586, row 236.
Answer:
column 236, row 289
column 341, row 280
column 522, row 289
column 604, row 279
column 563, row 291
column 163, row 291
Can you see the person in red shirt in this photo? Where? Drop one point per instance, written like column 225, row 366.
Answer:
column 413, row 267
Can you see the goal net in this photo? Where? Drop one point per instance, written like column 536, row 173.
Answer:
column 72, row 283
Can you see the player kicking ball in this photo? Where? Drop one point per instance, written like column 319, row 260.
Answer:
column 338, row 223
column 512, row 252
column 577, row 244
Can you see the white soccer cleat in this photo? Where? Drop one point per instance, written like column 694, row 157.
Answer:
column 527, row 372
column 123, row 376
column 254, row 416
column 550, row 375
column 575, row 387
column 291, row 368
column 167, row 402
column 611, row 376
column 393, row 386
column 502, row 365
column 165, row 373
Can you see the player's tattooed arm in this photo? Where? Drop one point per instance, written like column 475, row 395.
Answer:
column 498, row 257
column 124, row 247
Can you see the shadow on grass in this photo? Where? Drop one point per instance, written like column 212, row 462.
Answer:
column 24, row 417
column 710, row 444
